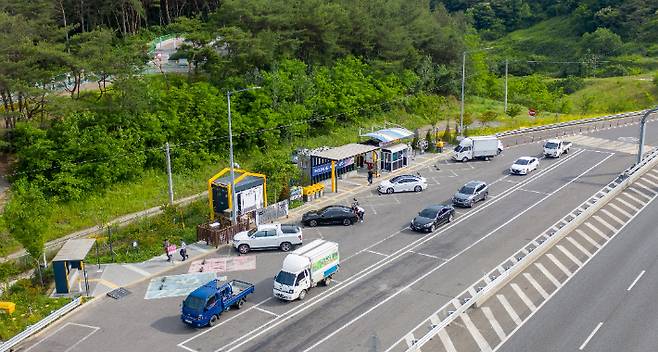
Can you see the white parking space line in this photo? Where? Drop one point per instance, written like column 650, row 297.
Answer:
column 558, row 264
column 479, row 339
column 641, row 185
column 548, row 274
column 579, row 246
column 508, row 307
column 590, row 336
column 597, row 231
column 536, row 285
column 569, row 255
column 613, row 206
column 266, row 311
column 373, row 252
column 523, row 297
column 588, row 239
column 639, row 193
column 612, row 216
column 446, row 341
column 93, row 328
column 605, row 223
column 636, row 209
column 632, row 197
column 494, row 323
column 636, row 280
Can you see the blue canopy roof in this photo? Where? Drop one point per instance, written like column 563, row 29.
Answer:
column 390, row 134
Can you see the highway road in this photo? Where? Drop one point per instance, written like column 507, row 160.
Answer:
column 609, row 305
column 390, row 278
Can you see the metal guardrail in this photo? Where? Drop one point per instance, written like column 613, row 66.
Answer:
column 40, row 325
column 492, row 283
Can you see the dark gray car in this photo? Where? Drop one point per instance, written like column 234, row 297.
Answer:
column 471, row 193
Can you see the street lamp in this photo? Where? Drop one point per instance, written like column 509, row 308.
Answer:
column 643, row 122
column 230, row 141
column 461, row 114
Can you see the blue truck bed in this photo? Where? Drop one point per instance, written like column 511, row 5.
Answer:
column 204, row 305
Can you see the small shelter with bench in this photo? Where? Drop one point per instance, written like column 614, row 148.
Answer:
column 68, row 263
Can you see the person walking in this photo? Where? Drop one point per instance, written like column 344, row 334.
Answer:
column 370, row 174
column 166, row 245
column 183, row 250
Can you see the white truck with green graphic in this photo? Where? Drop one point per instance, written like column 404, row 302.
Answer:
column 306, row 267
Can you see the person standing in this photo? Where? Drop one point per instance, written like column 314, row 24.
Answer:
column 370, row 174
column 183, row 250
column 166, row 245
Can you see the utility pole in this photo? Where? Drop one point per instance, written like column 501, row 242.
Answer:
column 169, row 179
column 643, row 122
column 506, row 66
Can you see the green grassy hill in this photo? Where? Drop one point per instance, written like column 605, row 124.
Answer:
column 616, row 94
column 549, row 39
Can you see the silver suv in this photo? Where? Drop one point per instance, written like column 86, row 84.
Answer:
column 471, row 193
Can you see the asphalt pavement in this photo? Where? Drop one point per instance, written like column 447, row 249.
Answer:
column 390, row 278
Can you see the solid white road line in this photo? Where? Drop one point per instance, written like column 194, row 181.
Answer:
column 479, row 339
column 446, row 341
column 373, row 252
column 590, row 336
column 613, row 206
column 531, row 191
column 266, row 311
column 494, row 323
column 536, row 285
column 426, row 255
column 569, row 255
column 612, row 216
column 588, row 239
column 523, row 297
column 579, row 246
column 558, row 264
column 605, row 223
column 597, row 231
column 636, row 280
column 548, row 274
column 627, row 204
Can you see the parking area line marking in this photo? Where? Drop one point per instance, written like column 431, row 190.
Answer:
column 494, row 323
column 629, row 195
column 531, row 191
column 639, row 193
column 652, row 176
column 510, row 310
column 605, row 223
column 588, row 239
column 536, row 285
column 597, row 231
column 590, row 336
column 523, row 297
column 579, row 246
column 569, row 255
column 558, row 264
column 136, row 269
column 426, row 255
column 479, row 339
column 620, row 200
column 266, row 311
column 93, row 328
column 612, row 216
column 647, row 180
column 373, row 252
column 548, row 274
column 613, row 206
column 649, row 190
column 446, row 341
column 636, row 280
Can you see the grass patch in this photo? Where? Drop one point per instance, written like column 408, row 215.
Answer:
column 616, row 94
column 556, row 36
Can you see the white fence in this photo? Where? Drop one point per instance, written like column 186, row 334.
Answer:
column 271, row 212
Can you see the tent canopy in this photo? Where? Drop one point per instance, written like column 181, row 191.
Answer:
column 345, row 151
column 390, row 134
column 74, row 250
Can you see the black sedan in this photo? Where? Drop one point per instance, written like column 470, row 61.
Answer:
column 431, row 217
column 331, row 215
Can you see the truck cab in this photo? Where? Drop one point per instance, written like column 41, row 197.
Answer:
column 294, row 277
column 203, row 306
column 554, row 148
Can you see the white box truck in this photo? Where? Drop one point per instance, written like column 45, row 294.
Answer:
column 483, row 147
column 306, row 267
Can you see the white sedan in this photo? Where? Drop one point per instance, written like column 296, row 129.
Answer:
column 523, row 165
column 403, row 183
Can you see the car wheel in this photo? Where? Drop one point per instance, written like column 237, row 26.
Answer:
column 464, row 159
column 433, row 228
column 302, row 295
column 452, row 216
column 486, row 194
column 347, row 222
column 327, row 280
column 389, row 191
column 286, row 246
column 213, row 320
column 243, row 248
column 418, row 189
column 239, row 304
column 313, row 223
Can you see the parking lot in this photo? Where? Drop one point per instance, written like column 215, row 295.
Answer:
column 390, row 277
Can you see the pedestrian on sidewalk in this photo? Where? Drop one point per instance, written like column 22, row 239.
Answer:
column 370, row 175
column 183, row 250
column 166, row 245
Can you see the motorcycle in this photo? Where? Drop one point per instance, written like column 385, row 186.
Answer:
column 359, row 211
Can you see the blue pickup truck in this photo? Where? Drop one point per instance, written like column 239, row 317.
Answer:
column 204, row 305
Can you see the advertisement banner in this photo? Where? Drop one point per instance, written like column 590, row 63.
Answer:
column 326, row 168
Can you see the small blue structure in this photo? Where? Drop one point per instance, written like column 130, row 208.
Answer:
column 69, row 261
column 394, row 146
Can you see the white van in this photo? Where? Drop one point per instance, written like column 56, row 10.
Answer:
column 305, row 268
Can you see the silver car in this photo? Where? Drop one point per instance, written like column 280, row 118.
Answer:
column 471, row 193
column 403, row 183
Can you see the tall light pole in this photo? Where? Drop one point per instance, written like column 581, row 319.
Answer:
column 461, row 114
column 643, row 122
column 506, row 67
column 230, row 142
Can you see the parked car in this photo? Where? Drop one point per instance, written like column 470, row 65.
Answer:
column 523, row 165
column 268, row 236
column 431, row 217
column 403, row 183
column 471, row 193
column 330, row 215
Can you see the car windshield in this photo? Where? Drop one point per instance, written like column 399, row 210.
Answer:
column 396, row 179
column 285, row 278
column 428, row 213
column 252, row 231
column 522, row 162
column 467, row 190
column 550, row 145
column 194, row 303
column 458, row 148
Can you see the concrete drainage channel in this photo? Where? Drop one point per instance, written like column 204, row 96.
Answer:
column 482, row 322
